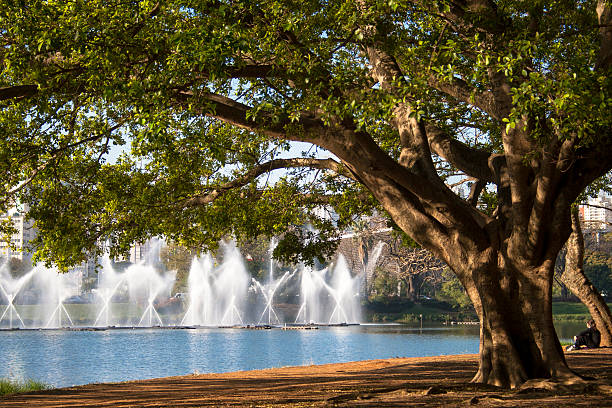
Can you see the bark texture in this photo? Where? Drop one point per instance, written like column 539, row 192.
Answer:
column 574, row 278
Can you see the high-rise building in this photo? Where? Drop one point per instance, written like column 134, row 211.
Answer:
column 147, row 251
column 140, row 251
column 20, row 239
column 597, row 213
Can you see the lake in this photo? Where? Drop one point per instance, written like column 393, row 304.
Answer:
column 64, row 358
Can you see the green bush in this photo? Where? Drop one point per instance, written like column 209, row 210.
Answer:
column 8, row 386
column 453, row 292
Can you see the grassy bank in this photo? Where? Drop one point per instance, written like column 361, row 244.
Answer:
column 430, row 311
column 15, row 386
column 438, row 312
column 570, row 312
column 392, row 310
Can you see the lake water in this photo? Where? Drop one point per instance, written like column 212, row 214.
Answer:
column 63, row 358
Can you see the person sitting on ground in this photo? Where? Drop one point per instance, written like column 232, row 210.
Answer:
column 589, row 337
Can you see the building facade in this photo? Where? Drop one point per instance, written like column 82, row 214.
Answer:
column 597, row 214
column 21, row 238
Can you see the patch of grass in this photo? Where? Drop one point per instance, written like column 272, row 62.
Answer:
column 15, row 386
column 570, row 312
column 410, row 313
column 571, row 317
column 569, row 308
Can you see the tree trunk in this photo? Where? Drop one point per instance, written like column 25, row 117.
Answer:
column 508, row 276
column 517, row 337
column 411, row 289
column 574, row 278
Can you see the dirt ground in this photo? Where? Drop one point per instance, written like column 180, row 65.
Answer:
column 429, row 381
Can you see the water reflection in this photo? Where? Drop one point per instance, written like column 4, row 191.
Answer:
column 64, row 358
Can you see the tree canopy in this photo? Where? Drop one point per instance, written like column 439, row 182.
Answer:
column 209, row 93
column 399, row 96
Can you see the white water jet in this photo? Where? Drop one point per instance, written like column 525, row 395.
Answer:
column 330, row 295
column 368, row 268
column 9, row 289
column 109, row 282
column 145, row 286
column 47, row 287
column 345, row 292
column 217, row 294
column 311, row 284
column 52, row 288
column 220, row 293
column 140, row 285
column 268, row 292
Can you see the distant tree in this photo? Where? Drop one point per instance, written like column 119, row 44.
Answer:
column 384, row 284
column 19, row 267
column 412, row 265
column 256, row 252
column 365, row 239
column 89, row 283
column 598, row 268
column 177, row 258
column 452, row 292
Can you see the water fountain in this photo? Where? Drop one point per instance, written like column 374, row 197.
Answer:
column 332, row 288
column 109, row 282
column 9, row 289
column 145, row 284
column 220, row 293
column 50, row 288
column 268, row 291
column 216, row 294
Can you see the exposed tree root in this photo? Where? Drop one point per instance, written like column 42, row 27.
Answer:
column 535, row 388
column 558, row 386
column 411, row 390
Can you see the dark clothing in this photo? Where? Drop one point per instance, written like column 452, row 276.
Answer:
column 590, row 338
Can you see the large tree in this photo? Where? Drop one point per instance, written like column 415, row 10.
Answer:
column 513, row 95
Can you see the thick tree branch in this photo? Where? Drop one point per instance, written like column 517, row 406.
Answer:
column 475, row 191
column 18, row 92
column 256, row 171
column 473, row 162
column 462, row 91
column 488, row 20
column 415, row 154
column 590, row 164
column 307, row 129
column 604, row 15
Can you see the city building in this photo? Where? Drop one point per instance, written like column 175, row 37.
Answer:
column 140, row 251
column 20, row 239
column 463, row 191
column 597, row 213
column 147, row 251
